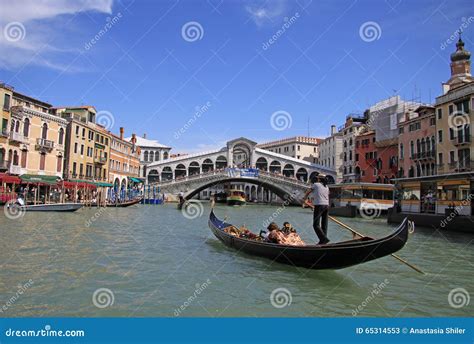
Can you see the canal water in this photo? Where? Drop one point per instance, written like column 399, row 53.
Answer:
column 151, row 261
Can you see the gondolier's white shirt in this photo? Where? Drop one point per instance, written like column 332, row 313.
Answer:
column 320, row 194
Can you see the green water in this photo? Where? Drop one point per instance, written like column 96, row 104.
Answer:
column 155, row 261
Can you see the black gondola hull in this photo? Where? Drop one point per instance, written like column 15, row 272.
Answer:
column 331, row 256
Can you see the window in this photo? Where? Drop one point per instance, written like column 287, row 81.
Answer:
column 6, row 102
column 432, row 121
column 440, row 136
column 44, row 131
column 451, row 133
column 59, row 164
column 74, row 168
column 26, row 127
column 451, row 157
column 77, row 130
column 83, row 132
column 402, row 154
column 61, row 136
column 440, row 158
column 440, row 113
column 299, row 148
column 450, row 109
column 42, row 161
column 75, row 148
column 23, row 158
column 82, row 149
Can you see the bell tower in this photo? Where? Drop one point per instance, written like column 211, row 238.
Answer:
column 460, row 67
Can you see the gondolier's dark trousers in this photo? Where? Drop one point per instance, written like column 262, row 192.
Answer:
column 320, row 222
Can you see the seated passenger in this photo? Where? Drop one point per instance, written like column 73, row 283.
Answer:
column 278, row 236
column 288, row 228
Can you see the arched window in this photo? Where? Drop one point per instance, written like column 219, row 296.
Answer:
column 26, row 127
column 15, row 158
column 44, row 132
column 145, row 156
column 61, row 137
column 165, row 155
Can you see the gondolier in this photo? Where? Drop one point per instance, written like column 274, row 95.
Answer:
column 319, row 192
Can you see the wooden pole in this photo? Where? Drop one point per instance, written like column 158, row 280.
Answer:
column 361, row 235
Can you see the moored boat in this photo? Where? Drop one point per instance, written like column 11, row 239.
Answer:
column 236, row 197
column 330, row 256
column 125, row 203
column 61, row 207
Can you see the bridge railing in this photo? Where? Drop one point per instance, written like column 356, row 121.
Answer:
column 225, row 172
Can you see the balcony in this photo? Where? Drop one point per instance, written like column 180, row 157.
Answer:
column 4, row 132
column 461, row 140
column 100, row 160
column 426, row 155
column 17, row 137
column 44, row 145
column 461, row 166
column 4, row 165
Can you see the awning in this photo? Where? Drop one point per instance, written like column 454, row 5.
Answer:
column 6, row 178
column 103, row 184
column 81, row 183
column 136, row 180
column 36, row 178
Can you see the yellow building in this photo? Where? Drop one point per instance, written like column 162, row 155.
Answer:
column 35, row 136
column 454, row 115
column 6, row 93
column 87, row 144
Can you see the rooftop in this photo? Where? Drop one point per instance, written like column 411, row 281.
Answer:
column 295, row 139
column 142, row 142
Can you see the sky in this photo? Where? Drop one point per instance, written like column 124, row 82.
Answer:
column 195, row 74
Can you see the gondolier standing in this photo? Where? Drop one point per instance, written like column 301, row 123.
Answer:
column 319, row 192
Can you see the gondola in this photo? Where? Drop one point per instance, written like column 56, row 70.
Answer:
column 56, row 207
column 124, row 204
column 330, row 256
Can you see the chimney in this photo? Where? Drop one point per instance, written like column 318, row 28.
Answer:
column 121, row 133
column 144, row 135
column 134, row 139
column 333, row 129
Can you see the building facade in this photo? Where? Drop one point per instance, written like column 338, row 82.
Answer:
column 350, row 130
column 417, row 143
column 366, row 157
column 150, row 151
column 331, row 151
column 454, row 115
column 87, row 145
column 298, row 147
column 33, row 137
column 124, row 162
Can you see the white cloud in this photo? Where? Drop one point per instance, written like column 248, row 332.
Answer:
column 28, row 30
column 266, row 12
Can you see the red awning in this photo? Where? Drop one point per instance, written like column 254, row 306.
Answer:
column 6, row 178
column 79, row 185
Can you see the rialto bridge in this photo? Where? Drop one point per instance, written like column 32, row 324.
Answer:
column 285, row 176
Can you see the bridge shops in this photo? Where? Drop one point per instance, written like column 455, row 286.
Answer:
column 443, row 201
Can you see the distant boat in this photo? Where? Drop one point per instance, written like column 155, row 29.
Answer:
column 236, row 197
column 124, row 204
column 62, row 207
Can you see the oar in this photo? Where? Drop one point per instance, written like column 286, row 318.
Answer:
column 361, row 235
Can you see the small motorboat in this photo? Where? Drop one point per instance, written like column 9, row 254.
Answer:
column 330, row 256
column 62, row 207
